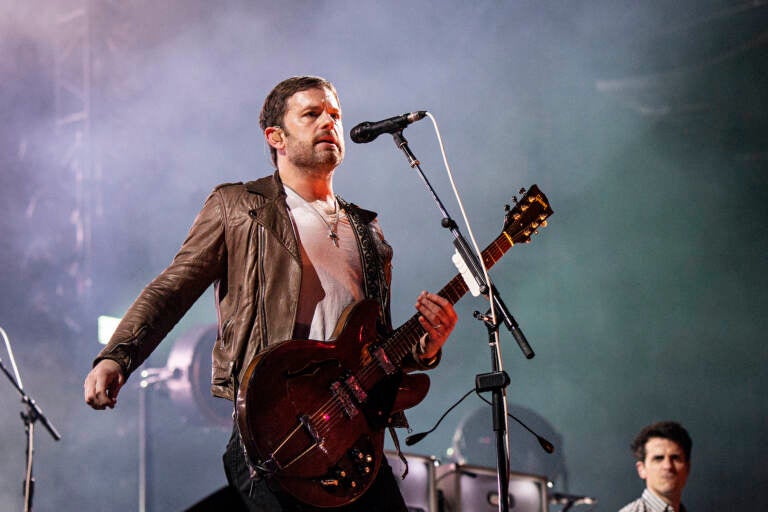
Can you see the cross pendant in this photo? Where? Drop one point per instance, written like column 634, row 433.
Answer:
column 333, row 236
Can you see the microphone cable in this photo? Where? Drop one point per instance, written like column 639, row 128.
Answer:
column 545, row 444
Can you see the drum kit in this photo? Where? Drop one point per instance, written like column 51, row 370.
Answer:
column 431, row 486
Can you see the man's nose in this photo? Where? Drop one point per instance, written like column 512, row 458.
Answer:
column 327, row 120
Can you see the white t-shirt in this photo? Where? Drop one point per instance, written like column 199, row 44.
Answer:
column 332, row 275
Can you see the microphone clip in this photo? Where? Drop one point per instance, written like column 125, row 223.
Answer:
column 491, row 381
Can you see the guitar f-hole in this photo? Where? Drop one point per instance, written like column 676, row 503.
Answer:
column 312, row 368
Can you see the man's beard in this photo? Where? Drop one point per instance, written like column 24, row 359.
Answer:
column 306, row 156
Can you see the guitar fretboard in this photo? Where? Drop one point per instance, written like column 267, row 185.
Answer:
column 405, row 337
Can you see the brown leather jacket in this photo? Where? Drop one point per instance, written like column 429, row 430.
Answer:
column 243, row 241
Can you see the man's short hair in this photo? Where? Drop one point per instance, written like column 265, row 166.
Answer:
column 275, row 104
column 665, row 430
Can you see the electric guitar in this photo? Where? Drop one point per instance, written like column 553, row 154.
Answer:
column 312, row 414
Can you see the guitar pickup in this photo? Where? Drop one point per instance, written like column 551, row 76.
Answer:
column 342, row 396
column 383, row 359
column 357, row 390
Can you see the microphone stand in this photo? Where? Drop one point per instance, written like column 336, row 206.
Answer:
column 497, row 380
column 150, row 377
column 29, row 418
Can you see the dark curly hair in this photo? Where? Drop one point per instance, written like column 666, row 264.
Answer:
column 273, row 111
column 666, row 430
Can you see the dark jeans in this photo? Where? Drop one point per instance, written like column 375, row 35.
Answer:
column 383, row 496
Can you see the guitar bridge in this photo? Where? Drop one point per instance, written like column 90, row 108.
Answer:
column 272, row 464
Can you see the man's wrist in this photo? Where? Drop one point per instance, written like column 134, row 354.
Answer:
column 421, row 352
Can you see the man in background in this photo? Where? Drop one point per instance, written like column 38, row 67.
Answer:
column 663, row 453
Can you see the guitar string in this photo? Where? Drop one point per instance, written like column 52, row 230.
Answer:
column 398, row 348
column 339, row 415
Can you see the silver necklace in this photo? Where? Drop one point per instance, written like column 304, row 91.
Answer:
column 334, row 224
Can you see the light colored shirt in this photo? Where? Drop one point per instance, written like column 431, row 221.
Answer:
column 649, row 502
column 331, row 275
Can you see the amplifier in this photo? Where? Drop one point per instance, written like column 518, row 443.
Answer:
column 418, row 487
column 467, row 488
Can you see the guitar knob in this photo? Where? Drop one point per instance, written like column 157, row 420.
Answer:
column 329, row 483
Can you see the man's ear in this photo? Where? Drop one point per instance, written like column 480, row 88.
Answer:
column 640, row 466
column 274, row 136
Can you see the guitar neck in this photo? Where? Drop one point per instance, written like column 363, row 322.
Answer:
column 405, row 337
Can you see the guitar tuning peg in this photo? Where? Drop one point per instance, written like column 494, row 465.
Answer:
column 514, row 199
column 506, row 208
column 521, row 191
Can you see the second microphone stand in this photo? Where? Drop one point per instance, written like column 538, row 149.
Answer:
column 32, row 415
column 497, row 380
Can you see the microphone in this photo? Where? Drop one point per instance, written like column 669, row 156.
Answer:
column 366, row 131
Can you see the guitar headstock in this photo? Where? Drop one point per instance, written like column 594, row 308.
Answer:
column 526, row 216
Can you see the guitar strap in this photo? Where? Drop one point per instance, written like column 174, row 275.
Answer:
column 375, row 286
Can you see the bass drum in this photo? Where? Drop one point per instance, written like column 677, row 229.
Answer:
column 190, row 387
